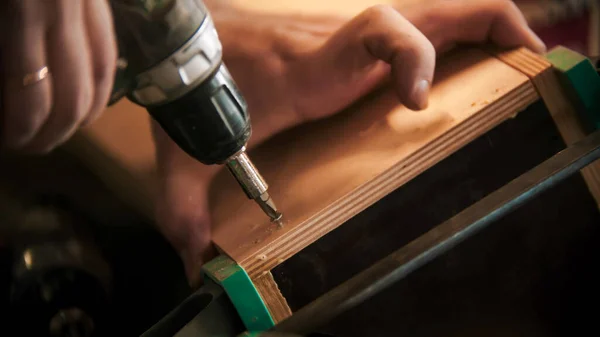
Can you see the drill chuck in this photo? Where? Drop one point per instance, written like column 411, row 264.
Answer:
column 210, row 122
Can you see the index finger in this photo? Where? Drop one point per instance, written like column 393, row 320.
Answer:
column 378, row 34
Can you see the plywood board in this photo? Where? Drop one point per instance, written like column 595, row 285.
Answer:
column 269, row 291
column 326, row 172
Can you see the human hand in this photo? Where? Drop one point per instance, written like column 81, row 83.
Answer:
column 75, row 41
column 292, row 69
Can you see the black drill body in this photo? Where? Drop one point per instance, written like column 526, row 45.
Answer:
column 171, row 64
column 210, row 123
column 208, row 119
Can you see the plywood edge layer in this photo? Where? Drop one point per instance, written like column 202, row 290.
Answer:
column 545, row 79
column 405, row 170
column 521, row 59
column 269, row 291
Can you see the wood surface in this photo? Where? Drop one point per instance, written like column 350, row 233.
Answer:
column 274, row 300
column 560, row 106
column 324, row 173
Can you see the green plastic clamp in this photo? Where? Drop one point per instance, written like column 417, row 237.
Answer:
column 581, row 80
column 241, row 291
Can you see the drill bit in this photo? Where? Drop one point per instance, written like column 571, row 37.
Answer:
column 253, row 184
column 268, row 206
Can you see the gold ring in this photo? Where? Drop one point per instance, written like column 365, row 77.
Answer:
column 35, row 77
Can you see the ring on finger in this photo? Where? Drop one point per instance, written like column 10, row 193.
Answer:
column 36, row 76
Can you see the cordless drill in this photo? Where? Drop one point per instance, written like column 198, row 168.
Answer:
column 170, row 63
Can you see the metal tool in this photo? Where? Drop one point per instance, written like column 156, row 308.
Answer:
column 171, row 64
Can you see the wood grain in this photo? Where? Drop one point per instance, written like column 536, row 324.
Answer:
column 522, row 59
column 274, row 300
column 562, row 109
column 326, row 172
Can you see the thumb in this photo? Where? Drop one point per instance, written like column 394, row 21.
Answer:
column 183, row 219
column 182, row 211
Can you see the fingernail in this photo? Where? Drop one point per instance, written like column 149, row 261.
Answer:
column 421, row 94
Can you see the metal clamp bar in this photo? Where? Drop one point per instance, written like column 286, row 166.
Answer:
column 442, row 238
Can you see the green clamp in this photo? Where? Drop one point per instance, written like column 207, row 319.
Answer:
column 241, row 292
column 581, row 81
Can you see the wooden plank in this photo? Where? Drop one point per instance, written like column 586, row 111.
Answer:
column 558, row 103
column 274, row 300
column 326, row 172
